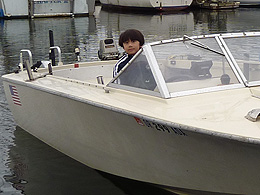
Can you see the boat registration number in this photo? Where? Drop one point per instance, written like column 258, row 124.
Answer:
column 160, row 127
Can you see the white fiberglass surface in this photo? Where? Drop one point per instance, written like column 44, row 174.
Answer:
column 246, row 51
column 192, row 65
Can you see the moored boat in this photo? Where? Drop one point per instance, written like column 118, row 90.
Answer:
column 155, row 5
column 249, row 3
column 183, row 114
column 9, row 8
column 216, row 4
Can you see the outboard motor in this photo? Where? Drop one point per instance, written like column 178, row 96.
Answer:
column 108, row 50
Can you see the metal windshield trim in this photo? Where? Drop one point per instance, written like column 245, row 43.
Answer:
column 232, row 62
column 156, row 72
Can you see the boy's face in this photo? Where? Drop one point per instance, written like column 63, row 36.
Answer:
column 131, row 47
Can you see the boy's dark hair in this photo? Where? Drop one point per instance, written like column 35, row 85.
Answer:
column 133, row 35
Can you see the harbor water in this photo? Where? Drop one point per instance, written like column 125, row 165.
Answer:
column 28, row 166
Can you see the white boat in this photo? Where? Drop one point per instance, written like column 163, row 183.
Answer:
column 166, row 5
column 10, row 8
column 250, row 3
column 46, row 8
column 183, row 114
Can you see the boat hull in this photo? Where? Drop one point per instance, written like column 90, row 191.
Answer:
column 168, row 5
column 38, row 8
column 12, row 8
column 134, row 146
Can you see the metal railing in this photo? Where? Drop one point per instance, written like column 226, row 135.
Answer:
column 29, row 63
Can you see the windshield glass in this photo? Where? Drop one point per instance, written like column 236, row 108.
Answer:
column 137, row 74
column 246, row 51
column 191, row 65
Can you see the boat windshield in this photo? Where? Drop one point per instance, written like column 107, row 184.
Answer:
column 246, row 51
column 193, row 65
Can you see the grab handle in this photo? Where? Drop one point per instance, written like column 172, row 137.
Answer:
column 21, row 58
column 59, row 54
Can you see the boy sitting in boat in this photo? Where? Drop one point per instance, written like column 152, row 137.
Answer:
column 138, row 74
column 131, row 40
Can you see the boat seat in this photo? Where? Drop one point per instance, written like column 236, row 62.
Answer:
column 200, row 69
